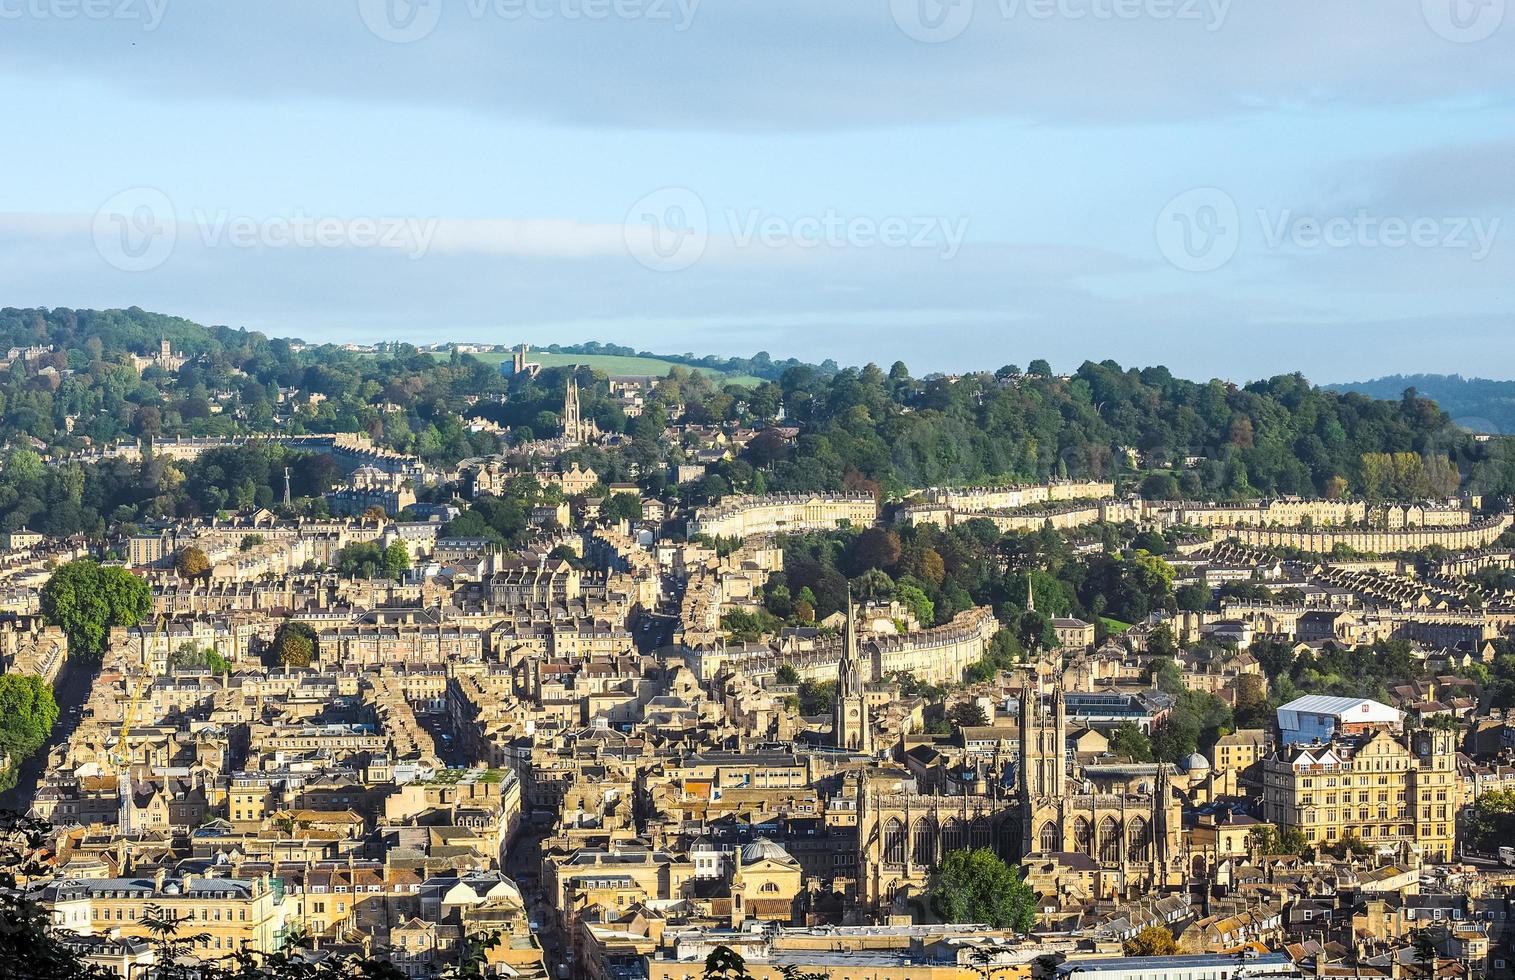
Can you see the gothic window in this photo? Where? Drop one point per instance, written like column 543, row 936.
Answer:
column 894, row 841
column 982, row 836
column 955, row 838
column 1082, row 834
column 1138, row 840
column 1109, row 841
column 923, row 850
column 1047, row 840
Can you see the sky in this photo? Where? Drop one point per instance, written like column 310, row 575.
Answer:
column 1233, row 188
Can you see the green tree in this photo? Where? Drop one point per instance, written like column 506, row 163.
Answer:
column 27, row 715
column 976, row 885
column 786, row 674
column 1129, row 740
column 396, row 559
column 967, row 714
column 622, row 507
column 86, row 600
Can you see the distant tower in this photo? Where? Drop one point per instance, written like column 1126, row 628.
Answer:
column 286, row 487
column 1030, row 595
column 573, row 425
column 165, row 351
column 518, row 359
column 849, row 714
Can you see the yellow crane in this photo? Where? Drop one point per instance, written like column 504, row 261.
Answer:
column 136, row 686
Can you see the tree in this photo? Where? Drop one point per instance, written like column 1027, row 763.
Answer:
column 1151, row 941
column 396, row 559
column 294, row 646
column 1269, row 840
column 191, row 657
column 28, row 945
column 1490, row 821
column 191, row 562
column 976, row 885
column 816, row 697
column 967, row 714
column 27, row 715
column 622, row 507
column 725, row 963
column 1426, row 953
column 786, row 674
column 1129, row 740
column 86, row 600
column 375, row 515
column 1165, row 675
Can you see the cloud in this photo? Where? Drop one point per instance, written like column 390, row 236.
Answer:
column 786, row 64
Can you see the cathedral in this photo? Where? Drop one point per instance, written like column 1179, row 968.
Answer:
column 1120, row 825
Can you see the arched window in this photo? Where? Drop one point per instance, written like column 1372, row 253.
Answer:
column 982, row 836
column 923, row 842
column 894, row 841
column 1109, row 841
column 769, row 886
column 1082, row 837
column 1138, row 840
column 1047, row 840
column 955, row 837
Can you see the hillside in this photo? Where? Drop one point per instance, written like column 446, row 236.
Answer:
column 1476, row 404
column 624, row 365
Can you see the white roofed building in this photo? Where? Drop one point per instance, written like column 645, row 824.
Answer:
column 1317, row 717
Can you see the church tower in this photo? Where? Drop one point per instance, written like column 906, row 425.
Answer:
column 849, row 714
column 1044, row 745
column 573, row 426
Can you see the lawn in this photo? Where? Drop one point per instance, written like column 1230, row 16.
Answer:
column 618, row 365
column 1115, row 626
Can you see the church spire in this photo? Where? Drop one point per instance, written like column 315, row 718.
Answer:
column 1030, row 595
column 849, row 722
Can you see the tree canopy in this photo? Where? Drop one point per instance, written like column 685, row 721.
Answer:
column 976, row 885
column 87, row 599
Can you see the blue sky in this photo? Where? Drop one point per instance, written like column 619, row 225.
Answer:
column 1232, row 188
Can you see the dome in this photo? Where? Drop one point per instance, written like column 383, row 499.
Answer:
column 1194, row 763
column 764, row 849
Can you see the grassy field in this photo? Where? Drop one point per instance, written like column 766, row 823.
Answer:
column 614, row 364
column 1115, row 626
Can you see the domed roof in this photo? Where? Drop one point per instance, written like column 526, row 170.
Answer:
column 1194, row 762
column 764, row 849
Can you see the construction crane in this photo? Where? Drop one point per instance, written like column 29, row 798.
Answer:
column 136, row 686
